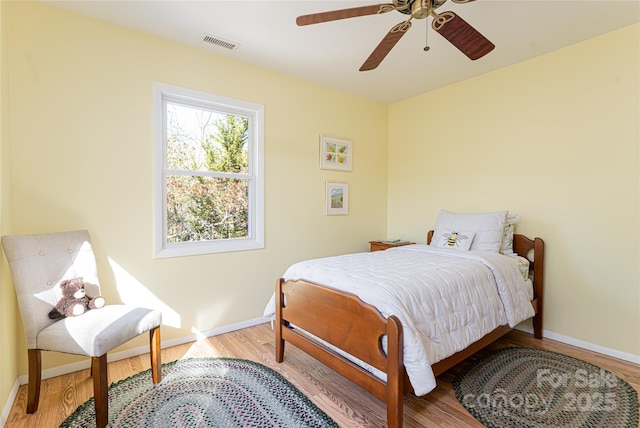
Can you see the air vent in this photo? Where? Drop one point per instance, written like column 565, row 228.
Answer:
column 208, row 38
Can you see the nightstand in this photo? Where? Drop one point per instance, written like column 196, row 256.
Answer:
column 383, row 245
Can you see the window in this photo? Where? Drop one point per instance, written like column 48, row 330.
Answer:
column 209, row 191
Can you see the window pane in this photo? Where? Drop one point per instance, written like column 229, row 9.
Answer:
column 204, row 208
column 204, row 140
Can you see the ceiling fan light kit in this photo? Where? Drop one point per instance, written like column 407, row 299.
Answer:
column 448, row 24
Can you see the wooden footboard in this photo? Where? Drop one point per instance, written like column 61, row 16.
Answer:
column 346, row 322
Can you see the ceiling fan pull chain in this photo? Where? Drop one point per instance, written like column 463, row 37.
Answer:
column 426, row 36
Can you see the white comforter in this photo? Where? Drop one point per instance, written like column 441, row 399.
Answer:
column 445, row 299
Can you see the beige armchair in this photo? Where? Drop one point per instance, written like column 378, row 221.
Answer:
column 38, row 264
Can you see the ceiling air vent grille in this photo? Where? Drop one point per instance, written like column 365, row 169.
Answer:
column 208, row 38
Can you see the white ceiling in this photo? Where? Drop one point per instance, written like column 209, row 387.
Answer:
column 331, row 53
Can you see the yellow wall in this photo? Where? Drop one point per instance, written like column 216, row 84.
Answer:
column 555, row 140
column 10, row 328
column 81, row 135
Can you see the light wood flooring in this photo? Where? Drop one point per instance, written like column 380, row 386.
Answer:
column 347, row 404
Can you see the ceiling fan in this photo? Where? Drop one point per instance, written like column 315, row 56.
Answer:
column 453, row 28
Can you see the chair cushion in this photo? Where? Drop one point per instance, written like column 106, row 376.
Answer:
column 98, row 331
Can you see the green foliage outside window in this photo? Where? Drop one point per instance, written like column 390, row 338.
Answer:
column 207, row 187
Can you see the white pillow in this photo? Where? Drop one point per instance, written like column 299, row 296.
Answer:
column 455, row 240
column 488, row 228
column 506, row 247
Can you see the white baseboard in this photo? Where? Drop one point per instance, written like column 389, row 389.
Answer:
column 7, row 407
column 584, row 345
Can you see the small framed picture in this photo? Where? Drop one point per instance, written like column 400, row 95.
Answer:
column 337, row 198
column 335, row 153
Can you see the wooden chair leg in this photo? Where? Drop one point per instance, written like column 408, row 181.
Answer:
column 156, row 360
column 35, row 377
column 100, row 390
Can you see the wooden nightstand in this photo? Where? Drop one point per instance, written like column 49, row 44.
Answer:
column 383, row 245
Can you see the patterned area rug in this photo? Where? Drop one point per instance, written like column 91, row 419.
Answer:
column 206, row 392
column 529, row 387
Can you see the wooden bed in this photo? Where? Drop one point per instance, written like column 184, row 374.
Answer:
column 346, row 322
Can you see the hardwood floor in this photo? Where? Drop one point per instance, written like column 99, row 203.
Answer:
column 347, row 404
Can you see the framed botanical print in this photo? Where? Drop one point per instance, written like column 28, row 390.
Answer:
column 335, row 153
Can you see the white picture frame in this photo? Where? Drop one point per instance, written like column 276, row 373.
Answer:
column 335, row 153
column 337, row 198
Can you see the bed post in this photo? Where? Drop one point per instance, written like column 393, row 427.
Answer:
column 278, row 326
column 395, row 373
column 538, row 283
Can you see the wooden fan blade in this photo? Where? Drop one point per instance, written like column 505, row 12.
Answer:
column 462, row 35
column 385, row 46
column 333, row 15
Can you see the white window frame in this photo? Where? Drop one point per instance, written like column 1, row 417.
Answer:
column 162, row 93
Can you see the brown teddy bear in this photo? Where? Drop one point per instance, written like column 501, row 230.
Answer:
column 74, row 300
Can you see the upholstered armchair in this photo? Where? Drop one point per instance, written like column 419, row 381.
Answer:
column 38, row 264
